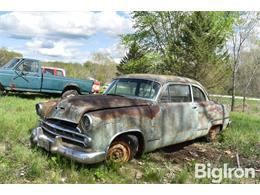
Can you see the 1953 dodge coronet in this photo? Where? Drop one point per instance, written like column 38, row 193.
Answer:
column 137, row 113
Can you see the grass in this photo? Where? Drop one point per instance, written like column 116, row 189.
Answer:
column 21, row 164
column 243, row 135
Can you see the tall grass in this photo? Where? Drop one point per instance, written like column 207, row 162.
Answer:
column 21, row 164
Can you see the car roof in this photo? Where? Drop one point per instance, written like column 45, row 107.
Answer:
column 21, row 58
column 162, row 78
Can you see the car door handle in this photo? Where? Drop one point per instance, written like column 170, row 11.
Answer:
column 195, row 107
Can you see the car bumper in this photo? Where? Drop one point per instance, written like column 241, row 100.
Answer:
column 57, row 146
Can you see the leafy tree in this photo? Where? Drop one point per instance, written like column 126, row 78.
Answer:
column 249, row 69
column 101, row 67
column 6, row 56
column 243, row 27
column 188, row 44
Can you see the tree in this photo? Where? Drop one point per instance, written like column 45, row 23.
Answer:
column 243, row 27
column 188, row 44
column 101, row 67
column 136, row 61
column 134, row 54
column 202, row 52
column 6, row 56
column 249, row 68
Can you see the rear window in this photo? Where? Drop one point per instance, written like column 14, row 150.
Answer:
column 48, row 71
column 59, row 73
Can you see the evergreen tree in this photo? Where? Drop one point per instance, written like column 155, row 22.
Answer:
column 133, row 55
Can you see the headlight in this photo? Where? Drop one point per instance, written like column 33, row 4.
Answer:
column 86, row 122
column 38, row 108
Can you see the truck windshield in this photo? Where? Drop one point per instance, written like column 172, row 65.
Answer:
column 134, row 88
column 11, row 63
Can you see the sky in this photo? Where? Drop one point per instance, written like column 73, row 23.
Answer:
column 64, row 36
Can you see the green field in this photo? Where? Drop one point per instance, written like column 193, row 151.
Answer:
column 21, row 164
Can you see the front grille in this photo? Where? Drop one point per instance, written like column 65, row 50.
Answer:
column 63, row 129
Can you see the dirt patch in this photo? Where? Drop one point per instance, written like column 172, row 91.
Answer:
column 202, row 153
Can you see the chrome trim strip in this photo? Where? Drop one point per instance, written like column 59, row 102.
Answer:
column 63, row 129
column 65, row 137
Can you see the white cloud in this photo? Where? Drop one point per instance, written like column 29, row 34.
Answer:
column 64, row 49
column 116, row 51
column 60, row 35
column 63, row 24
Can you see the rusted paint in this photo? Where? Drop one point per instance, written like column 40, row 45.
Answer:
column 160, row 123
column 133, row 112
column 74, row 107
column 48, row 107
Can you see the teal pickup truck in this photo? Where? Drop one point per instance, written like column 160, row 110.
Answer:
column 25, row 75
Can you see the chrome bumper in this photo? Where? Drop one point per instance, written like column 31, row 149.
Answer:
column 56, row 146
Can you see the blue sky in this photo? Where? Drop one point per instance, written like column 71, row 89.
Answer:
column 66, row 36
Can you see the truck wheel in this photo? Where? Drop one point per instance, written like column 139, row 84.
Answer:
column 3, row 92
column 69, row 93
column 212, row 135
column 122, row 149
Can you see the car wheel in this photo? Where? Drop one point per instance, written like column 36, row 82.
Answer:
column 70, row 93
column 122, row 149
column 212, row 135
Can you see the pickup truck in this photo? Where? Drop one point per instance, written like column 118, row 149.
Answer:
column 26, row 75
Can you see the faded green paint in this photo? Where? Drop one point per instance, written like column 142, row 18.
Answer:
column 160, row 123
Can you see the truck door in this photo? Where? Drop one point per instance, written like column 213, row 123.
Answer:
column 27, row 76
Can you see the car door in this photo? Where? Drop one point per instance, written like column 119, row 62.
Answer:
column 27, row 76
column 177, row 113
column 201, row 106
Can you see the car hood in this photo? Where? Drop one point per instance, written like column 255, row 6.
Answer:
column 72, row 109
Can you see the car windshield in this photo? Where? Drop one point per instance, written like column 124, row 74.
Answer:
column 134, row 87
column 11, row 63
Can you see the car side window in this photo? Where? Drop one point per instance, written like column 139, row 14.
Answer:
column 28, row 66
column 34, row 67
column 176, row 93
column 198, row 95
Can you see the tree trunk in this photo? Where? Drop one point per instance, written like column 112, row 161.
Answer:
column 233, row 90
column 244, row 101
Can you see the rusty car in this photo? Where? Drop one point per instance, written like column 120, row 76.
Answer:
column 138, row 113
